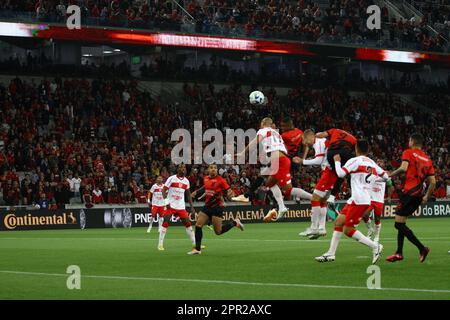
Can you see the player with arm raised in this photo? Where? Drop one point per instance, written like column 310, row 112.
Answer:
column 156, row 198
column 175, row 188
column 280, row 167
column 342, row 143
column 214, row 187
column 418, row 169
column 363, row 171
column 324, row 185
column 292, row 138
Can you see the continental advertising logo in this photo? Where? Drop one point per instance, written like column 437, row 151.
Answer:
column 12, row 221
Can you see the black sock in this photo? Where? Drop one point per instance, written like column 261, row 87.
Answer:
column 198, row 238
column 227, row 225
column 407, row 232
column 400, row 241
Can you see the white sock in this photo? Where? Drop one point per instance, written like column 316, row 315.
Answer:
column 160, row 222
column 377, row 232
column 278, row 197
column 190, row 234
column 162, row 235
column 298, row 193
column 323, row 218
column 315, row 217
column 150, row 224
column 335, row 242
column 364, row 240
column 331, row 199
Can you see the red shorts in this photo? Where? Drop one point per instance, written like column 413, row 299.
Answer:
column 182, row 214
column 353, row 213
column 327, row 180
column 377, row 208
column 161, row 211
column 281, row 171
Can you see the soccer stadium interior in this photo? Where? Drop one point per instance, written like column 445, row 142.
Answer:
column 87, row 116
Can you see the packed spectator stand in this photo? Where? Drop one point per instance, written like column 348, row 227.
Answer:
column 105, row 141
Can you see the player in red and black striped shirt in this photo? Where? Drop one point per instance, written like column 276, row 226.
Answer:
column 342, row 143
column 419, row 169
column 214, row 187
column 292, row 136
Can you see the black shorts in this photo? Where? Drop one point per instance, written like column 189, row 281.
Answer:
column 213, row 211
column 407, row 205
column 345, row 153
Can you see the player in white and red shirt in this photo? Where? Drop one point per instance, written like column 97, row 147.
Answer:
column 323, row 186
column 280, row 168
column 156, row 198
column 377, row 195
column 364, row 172
column 175, row 188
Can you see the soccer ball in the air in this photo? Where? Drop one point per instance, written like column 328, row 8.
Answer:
column 256, row 97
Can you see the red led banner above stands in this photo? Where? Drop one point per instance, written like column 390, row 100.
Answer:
column 123, row 36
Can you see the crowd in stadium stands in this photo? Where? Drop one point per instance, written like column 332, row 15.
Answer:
column 106, row 141
column 436, row 13
column 342, row 21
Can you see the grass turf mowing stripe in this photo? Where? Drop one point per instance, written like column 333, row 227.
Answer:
column 268, row 284
column 209, row 239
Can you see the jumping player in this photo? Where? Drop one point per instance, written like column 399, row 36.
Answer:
column 156, row 198
column 280, row 166
column 419, row 168
column 342, row 143
column 175, row 188
column 214, row 187
column 363, row 171
column 323, row 186
column 292, row 138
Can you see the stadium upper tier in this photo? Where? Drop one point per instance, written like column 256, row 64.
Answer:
column 338, row 22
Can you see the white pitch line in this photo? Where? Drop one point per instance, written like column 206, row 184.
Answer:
column 268, row 284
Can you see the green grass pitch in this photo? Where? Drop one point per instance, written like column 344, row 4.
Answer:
column 266, row 261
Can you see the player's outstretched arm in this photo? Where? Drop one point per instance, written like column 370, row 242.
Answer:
column 390, row 189
column 431, row 182
column 322, row 134
column 249, row 146
column 189, row 197
column 149, row 197
column 403, row 167
column 337, row 163
column 317, row 160
column 201, row 190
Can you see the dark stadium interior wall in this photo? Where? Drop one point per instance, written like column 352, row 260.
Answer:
column 258, row 64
